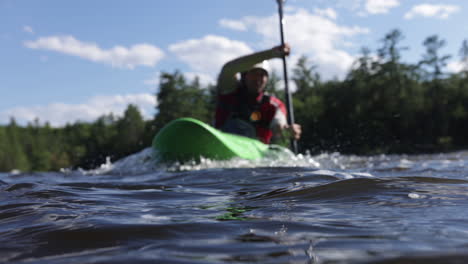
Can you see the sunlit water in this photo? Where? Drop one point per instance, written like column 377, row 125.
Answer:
column 329, row 208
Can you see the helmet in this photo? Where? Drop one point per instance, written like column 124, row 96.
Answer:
column 264, row 65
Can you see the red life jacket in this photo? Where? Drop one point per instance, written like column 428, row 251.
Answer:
column 258, row 112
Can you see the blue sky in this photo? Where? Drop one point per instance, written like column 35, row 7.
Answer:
column 63, row 61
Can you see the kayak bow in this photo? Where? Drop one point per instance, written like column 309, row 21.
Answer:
column 188, row 138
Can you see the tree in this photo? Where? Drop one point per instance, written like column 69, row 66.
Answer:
column 433, row 59
column 176, row 98
column 14, row 156
column 130, row 129
column 4, row 151
column 308, row 103
column 464, row 57
column 438, row 124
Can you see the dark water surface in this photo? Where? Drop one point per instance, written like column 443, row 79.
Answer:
column 329, row 208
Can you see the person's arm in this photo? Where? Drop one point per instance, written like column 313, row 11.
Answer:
column 280, row 126
column 227, row 81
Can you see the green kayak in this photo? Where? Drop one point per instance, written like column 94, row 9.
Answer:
column 188, row 138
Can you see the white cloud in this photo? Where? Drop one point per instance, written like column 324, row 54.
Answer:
column 118, row 56
column 380, row 6
column 28, row 29
column 58, row 114
column 315, row 36
column 428, row 10
column 208, row 55
column 232, row 24
column 457, row 66
column 328, row 13
column 204, row 79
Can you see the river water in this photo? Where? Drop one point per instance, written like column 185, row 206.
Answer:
column 329, row 208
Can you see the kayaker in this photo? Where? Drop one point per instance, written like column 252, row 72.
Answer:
column 243, row 106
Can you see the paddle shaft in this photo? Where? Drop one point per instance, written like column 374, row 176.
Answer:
column 289, row 103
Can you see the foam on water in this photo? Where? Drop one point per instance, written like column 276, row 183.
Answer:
column 146, row 161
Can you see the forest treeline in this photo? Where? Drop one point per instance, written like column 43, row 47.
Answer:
column 383, row 105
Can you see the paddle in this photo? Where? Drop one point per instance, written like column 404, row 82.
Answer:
column 289, row 103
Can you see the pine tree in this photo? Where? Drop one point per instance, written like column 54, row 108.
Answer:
column 15, row 157
column 176, row 98
column 130, row 129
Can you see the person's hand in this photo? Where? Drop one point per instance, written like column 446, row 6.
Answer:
column 282, row 50
column 293, row 131
column 296, row 131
